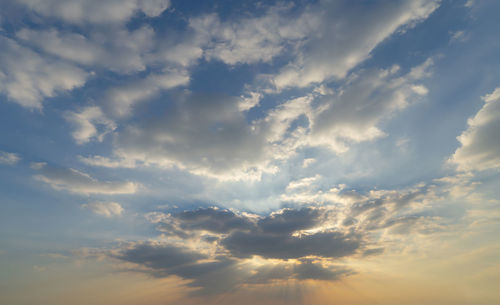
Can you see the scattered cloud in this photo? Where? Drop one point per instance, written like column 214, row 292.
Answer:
column 211, row 135
column 86, row 122
column 218, row 249
column 8, row 158
column 480, row 148
column 116, row 49
column 120, row 100
column 106, row 209
column 353, row 115
column 74, row 181
column 27, row 78
column 252, row 39
column 96, row 11
column 344, row 37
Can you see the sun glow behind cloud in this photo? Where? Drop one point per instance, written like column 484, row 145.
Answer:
column 179, row 152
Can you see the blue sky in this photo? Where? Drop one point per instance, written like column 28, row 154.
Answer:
column 304, row 143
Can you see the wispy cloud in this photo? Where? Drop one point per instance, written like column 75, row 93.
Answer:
column 75, row 181
column 9, row 158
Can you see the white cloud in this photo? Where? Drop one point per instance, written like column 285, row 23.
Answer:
column 107, row 162
column 9, row 158
column 302, row 183
column 204, row 134
column 480, row 142
column 254, row 39
column 113, row 48
column 87, row 122
column 211, row 135
column 27, row 78
column 458, row 36
column 106, row 209
column 74, row 181
column 249, row 101
column 96, row 11
column 353, row 114
column 345, row 37
column 120, row 100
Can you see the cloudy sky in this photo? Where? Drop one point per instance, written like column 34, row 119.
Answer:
column 249, row 152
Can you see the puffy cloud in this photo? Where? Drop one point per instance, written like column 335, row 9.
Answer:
column 345, row 37
column 158, row 256
column 352, row 114
column 85, row 122
column 106, row 209
column 274, row 236
column 325, row 40
column 116, row 49
column 220, row 263
column 9, row 158
column 216, row 249
column 27, row 78
column 120, row 100
column 286, row 246
column 96, row 11
column 211, row 135
column 480, row 142
column 205, row 134
column 208, row 219
column 162, row 260
column 252, row 39
column 81, row 183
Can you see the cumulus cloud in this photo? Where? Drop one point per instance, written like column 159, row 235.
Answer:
column 106, row 209
column 116, row 49
column 218, row 249
column 120, row 100
column 74, row 181
column 274, row 236
column 203, row 133
column 480, row 148
column 8, row 158
column 162, row 260
column 86, row 122
column 225, row 261
column 27, row 78
column 252, row 39
column 96, row 11
column 345, row 37
column 208, row 219
column 353, row 114
column 211, row 135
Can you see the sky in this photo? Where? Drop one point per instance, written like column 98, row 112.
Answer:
column 165, row 152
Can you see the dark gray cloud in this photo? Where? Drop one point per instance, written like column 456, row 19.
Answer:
column 286, row 246
column 289, row 220
column 241, row 249
column 278, row 235
column 233, row 238
column 159, row 257
column 163, row 260
column 213, row 220
column 222, row 273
